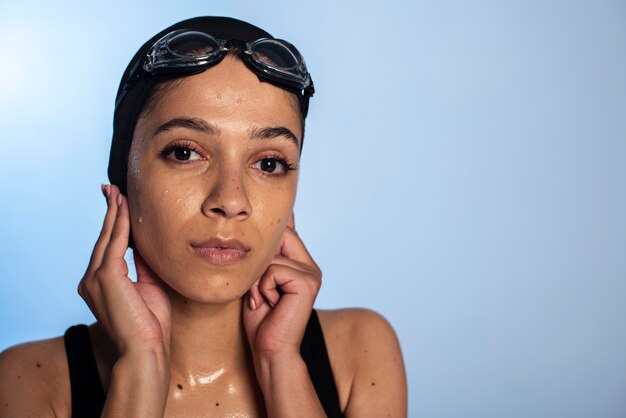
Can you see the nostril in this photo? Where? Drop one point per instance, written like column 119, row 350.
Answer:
column 218, row 211
column 225, row 202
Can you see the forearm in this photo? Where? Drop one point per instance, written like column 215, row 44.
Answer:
column 139, row 386
column 287, row 388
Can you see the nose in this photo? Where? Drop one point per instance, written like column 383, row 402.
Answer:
column 227, row 197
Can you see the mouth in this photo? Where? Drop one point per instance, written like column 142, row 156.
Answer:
column 221, row 251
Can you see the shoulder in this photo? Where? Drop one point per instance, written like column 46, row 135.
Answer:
column 34, row 379
column 367, row 362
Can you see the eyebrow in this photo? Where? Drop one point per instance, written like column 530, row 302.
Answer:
column 195, row 124
column 275, row 132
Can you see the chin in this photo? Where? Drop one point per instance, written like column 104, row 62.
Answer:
column 214, row 288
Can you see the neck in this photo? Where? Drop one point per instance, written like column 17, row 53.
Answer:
column 207, row 340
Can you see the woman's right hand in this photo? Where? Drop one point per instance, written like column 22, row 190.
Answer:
column 135, row 315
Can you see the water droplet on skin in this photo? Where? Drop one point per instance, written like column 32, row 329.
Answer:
column 140, row 219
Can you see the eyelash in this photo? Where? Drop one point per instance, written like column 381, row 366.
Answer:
column 287, row 166
column 165, row 153
column 168, row 150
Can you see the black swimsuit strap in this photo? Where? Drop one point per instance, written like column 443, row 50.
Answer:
column 314, row 353
column 88, row 396
column 87, row 393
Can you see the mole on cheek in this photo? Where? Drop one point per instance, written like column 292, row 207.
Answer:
column 179, row 386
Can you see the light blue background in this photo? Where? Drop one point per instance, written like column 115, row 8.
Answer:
column 464, row 174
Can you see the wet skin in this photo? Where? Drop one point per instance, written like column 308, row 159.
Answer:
column 220, row 190
column 211, row 161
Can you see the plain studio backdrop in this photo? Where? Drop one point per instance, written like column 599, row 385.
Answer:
column 464, row 174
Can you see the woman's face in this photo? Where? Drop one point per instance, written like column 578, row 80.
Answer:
column 211, row 162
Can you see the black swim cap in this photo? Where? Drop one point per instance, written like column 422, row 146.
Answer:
column 128, row 110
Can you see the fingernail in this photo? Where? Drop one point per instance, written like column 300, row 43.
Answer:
column 119, row 199
column 105, row 191
column 252, row 303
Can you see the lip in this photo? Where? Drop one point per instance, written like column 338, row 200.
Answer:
column 221, row 251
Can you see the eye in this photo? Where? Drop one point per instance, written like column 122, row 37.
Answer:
column 273, row 166
column 270, row 165
column 181, row 152
column 184, row 154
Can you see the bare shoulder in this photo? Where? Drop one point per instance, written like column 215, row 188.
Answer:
column 367, row 362
column 34, row 379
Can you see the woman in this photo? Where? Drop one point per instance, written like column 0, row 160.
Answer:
column 208, row 132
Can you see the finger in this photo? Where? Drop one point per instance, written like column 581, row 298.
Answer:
column 290, row 262
column 280, row 280
column 292, row 247
column 268, row 286
column 105, row 233
column 292, row 221
column 253, row 317
column 145, row 273
column 256, row 297
column 118, row 244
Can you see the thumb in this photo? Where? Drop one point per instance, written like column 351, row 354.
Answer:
column 144, row 272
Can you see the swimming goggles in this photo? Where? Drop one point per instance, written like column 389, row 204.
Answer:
column 185, row 52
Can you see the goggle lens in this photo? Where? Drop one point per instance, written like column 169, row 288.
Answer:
column 274, row 54
column 192, row 44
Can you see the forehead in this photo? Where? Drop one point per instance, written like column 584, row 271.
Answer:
column 228, row 95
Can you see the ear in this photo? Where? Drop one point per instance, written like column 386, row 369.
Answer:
column 292, row 221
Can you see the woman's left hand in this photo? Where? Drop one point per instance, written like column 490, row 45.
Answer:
column 278, row 306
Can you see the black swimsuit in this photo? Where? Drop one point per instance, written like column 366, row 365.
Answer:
column 88, row 395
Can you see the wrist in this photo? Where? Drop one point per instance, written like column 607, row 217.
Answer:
column 286, row 386
column 139, row 385
column 151, row 347
column 148, row 364
column 272, row 366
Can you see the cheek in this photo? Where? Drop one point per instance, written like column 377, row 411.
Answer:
column 274, row 209
column 159, row 206
column 166, row 204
